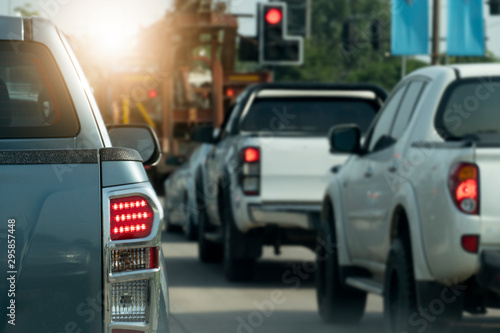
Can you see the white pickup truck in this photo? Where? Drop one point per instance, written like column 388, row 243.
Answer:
column 414, row 214
column 269, row 168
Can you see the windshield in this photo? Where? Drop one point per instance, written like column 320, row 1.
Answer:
column 34, row 102
column 310, row 116
column 470, row 110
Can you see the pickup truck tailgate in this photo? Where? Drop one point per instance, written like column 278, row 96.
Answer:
column 54, row 199
column 296, row 169
column 488, row 160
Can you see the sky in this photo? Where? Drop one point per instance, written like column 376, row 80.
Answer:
column 80, row 17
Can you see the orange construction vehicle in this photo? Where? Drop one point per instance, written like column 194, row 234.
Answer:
column 191, row 81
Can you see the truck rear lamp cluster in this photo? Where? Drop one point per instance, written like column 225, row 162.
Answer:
column 131, row 218
column 250, row 176
column 464, row 187
column 134, row 259
column 129, row 301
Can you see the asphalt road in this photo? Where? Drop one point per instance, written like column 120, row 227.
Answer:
column 281, row 299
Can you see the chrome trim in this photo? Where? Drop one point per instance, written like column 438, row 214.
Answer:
column 154, row 240
column 284, row 215
column 317, row 93
column 247, row 107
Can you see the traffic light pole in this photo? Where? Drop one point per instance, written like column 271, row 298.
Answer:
column 436, row 32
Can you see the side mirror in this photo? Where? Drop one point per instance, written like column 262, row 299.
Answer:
column 345, row 139
column 138, row 137
column 174, row 161
column 203, row 134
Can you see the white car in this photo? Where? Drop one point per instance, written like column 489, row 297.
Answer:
column 181, row 208
column 267, row 174
column 413, row 215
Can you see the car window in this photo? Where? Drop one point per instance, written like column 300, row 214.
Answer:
column 379, row 138
column 469, row 108
column 34, row 102
column 307, row 115
column 407, row 108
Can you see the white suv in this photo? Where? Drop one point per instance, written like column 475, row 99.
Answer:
column 413, row 213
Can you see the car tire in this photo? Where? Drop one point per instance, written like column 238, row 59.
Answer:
column 337, row 303
column 235, row 269
column 400, row 299
column 208, row 251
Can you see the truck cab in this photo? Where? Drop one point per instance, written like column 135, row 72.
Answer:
column 80, row 222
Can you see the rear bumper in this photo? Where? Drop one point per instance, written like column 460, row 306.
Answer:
column 489, row 274
column 305, row 216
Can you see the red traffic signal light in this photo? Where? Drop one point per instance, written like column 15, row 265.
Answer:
column 274, row 16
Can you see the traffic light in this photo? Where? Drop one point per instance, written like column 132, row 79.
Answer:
column 276, row 47
column 494, row 7
column 348, row 35
column 299, row 15
column 376, row 34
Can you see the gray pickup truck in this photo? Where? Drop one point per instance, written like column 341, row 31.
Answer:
column 79, row 221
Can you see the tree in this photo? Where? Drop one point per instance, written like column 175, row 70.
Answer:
column 327, row 59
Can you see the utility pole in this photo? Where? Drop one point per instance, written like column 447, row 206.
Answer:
column 308, row 19
column 436, row 32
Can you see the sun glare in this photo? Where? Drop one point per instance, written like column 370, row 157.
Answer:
column 112, row 34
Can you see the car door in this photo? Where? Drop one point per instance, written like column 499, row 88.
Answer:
column 359, row 194
column 382, row 160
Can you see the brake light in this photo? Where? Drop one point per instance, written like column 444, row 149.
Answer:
column 464, row 187
column 470, row 243
column 250, row 175
column 251, row 155
column 131, row 218
column 230, row 92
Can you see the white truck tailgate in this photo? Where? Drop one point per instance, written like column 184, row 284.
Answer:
column 296, row 169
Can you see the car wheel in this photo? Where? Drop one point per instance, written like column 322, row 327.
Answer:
column 235, row 269
column 207, row 251
column 337, row 303
column 400, row 300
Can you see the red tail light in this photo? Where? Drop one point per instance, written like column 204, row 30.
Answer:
column 230, row 92
column 464, row 187
column 470, row 243
column 251, row 155
column 131, row 218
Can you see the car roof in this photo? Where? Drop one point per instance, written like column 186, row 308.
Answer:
column 11, row 28
column 292, row 86
column 15, row 28
column 463, row 71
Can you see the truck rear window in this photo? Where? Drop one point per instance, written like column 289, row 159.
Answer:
column 34, row 102
column 309, row 116
column 470, row 108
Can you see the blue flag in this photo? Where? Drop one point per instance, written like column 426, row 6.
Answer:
column 410, row 27
column 466, row 28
